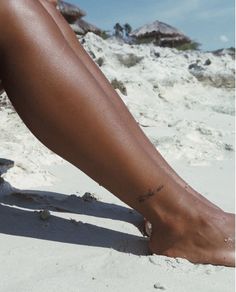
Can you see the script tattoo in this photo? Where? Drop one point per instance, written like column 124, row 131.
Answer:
column 150, row 194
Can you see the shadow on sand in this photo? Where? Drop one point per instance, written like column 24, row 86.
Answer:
column 19, row 216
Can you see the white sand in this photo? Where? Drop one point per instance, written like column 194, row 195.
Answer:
column 94, row 245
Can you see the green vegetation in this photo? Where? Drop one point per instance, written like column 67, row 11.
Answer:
column 119, row 30
column 100, row 61
column 189, row 46
column 119, row 85
column 122, row 31
column 104, row 34
column 127, row 29
column 129, row 60
column 145, row 40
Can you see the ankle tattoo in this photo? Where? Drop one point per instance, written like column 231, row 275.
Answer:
column 150, row 194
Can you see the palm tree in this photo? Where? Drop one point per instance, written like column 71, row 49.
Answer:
column 118, row 30
column 128, row 29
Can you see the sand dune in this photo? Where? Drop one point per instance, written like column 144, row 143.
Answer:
column 87, row 239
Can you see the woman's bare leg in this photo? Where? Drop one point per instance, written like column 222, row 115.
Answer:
column 68, row 110
column 111, row 94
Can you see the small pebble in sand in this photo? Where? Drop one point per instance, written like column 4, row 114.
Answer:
column 229, row 147
column 44, row 215
column 207, row 62
column 159, row 286
column 88, row 197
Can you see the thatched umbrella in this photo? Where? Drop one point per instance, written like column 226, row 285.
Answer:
column 70, row 11
column 84, row 27
column 161, row 33
column 77, row 29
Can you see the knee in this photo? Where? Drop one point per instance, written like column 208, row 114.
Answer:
column 9, row 6
column 17, row 13
column 54, row 2
column 48, row 2
column 11, row 9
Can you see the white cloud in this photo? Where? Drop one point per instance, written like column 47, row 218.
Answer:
column 224, row 38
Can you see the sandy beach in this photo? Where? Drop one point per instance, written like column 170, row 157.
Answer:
column 61, row 231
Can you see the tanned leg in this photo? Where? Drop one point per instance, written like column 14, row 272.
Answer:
column 66, row 107
column 111, row 94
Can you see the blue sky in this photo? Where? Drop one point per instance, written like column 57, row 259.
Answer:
column 210, row 22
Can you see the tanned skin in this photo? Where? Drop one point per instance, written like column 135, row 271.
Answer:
column 69, row 105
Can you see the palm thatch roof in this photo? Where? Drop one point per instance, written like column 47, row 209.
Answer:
column 77, row 29
column 81, row 26
column 161, row 32
column 70, row 11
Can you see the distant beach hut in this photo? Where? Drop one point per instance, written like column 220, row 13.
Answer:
column 77, row 29
column 70, row 11
column 73, row 15
column 161, row 34
column 84, row 27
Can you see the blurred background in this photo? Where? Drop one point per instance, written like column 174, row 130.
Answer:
column 210, row 23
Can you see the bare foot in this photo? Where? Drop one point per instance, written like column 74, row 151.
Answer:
column 186, row 225
column 206, row 236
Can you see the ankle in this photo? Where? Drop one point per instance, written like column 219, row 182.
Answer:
column 177, row 212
